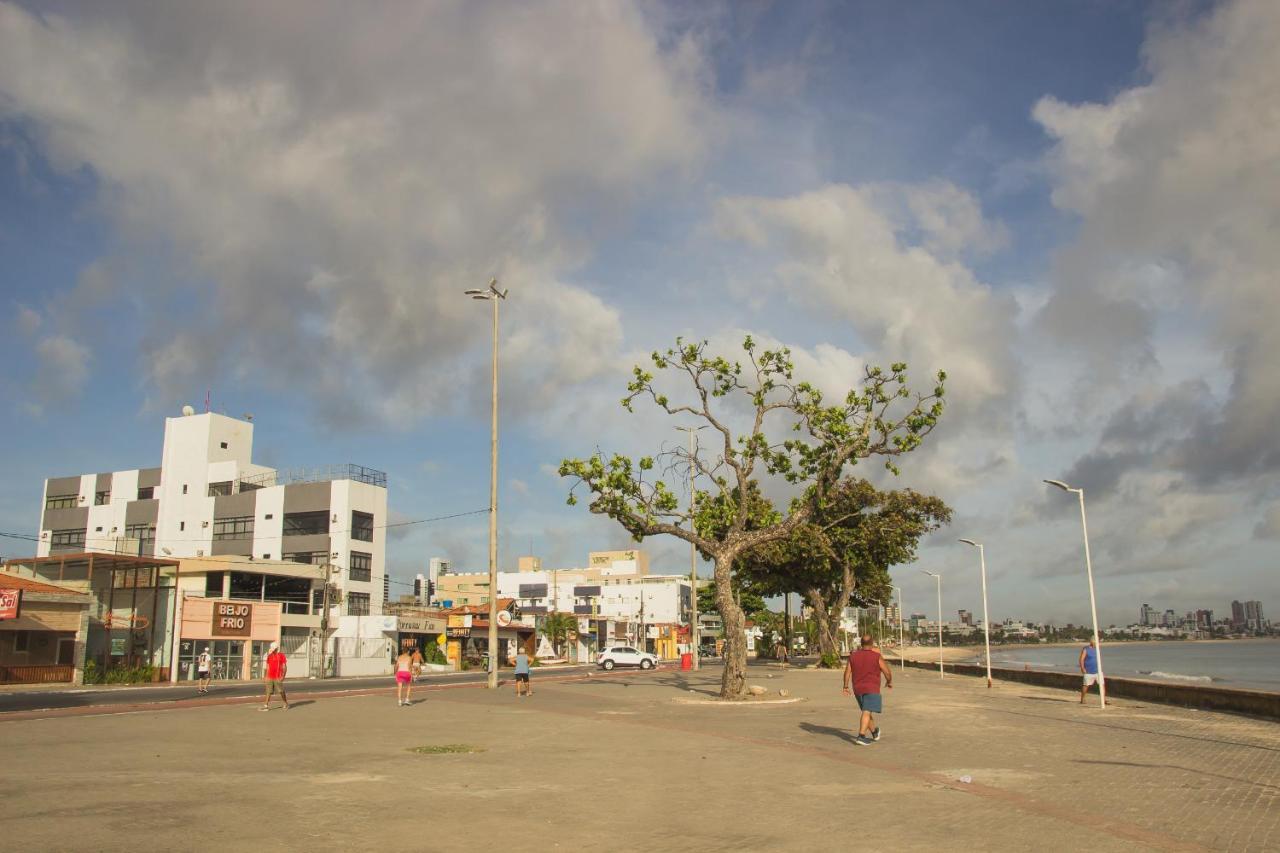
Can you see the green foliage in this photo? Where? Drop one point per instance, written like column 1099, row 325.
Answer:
column 748, row 598
column 144, row 674
column 557, row 627
column 831, row 660
column 867, row 422
column 92, row 674
column 432, row 653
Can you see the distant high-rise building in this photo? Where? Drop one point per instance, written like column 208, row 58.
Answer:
column 1253, row 615
column 1237, row 613
column 422, row 589
column 1204, row 620
column 1170, row 619
column 1147, row 615
column 966, row 618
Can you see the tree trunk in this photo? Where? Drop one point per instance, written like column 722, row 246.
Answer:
column 828, row 620
column 733, row 683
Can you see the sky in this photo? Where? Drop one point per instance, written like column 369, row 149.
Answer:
column 1071, row 207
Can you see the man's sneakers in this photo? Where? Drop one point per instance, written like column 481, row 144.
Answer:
column 875, row 733
column 862, row 740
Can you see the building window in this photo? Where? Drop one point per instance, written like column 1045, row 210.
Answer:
column 223, row 445
column 362, row 526
column 61, row 501
column 361, row 566
column 220, row 489
column 184, row 488
column 240, row 527
column 182, row 525
column 315, row 558
column 145, row 533
column 306, row 523
column 357, row 604
column 101, row 498
column 213, row 585
column 67, row 540
column 21, row 641
column 146, row 493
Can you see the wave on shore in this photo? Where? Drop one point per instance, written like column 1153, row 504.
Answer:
column 1177, row 676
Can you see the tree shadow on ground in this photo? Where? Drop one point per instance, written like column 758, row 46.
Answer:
column 1199, row 771
column 814, row 729
column 1046, row 699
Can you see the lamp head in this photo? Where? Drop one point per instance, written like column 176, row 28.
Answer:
column 1059, row 484
column 971, row 542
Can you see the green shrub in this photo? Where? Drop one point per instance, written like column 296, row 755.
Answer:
column 830, row 660
column 92, row 675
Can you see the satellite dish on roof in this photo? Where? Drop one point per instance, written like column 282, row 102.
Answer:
column 188, row 411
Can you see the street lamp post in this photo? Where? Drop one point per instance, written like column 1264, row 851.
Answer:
column 494, row 295
column 1093, row 603
column 986, row 623
column 902, row 649
column 937, row 576
column 694, row 639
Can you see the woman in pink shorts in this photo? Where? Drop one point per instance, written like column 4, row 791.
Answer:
column 404, row 677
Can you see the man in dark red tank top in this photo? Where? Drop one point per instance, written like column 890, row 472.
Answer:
column 863, row 671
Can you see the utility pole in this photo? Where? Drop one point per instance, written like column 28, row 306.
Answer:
column 494, row 295
column 694, row 639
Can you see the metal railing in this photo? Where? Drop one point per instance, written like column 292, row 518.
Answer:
column 321, row 474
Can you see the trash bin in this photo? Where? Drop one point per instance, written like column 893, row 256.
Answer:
column 686, row 661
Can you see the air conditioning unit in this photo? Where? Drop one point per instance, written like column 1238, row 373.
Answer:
column 199, row 552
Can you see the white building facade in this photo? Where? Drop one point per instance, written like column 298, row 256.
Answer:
column 208, row 501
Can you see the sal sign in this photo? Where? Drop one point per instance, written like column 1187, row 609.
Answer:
column 10, row 603
column 232, row 619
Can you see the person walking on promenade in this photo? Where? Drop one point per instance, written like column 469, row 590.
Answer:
column 522, row 674
column 277, row 666
column 1089, row 669
column 203, row 664
column 863, row 671
column 404, row 678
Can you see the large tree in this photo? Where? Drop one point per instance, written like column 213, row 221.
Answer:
column 883, row 418
column 849, row 543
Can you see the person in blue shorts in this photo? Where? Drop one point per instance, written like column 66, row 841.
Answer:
column 862, row 671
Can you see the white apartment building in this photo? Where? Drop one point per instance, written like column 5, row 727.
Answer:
column 209, row 502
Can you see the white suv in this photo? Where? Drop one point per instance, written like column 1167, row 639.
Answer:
column 626, row 656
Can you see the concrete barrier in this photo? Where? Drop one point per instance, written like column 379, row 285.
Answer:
column 1257, row 703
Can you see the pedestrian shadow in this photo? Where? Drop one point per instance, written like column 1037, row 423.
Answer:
column 813, row 729
column 301, row 703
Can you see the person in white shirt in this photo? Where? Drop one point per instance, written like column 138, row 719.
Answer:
column 203, row 665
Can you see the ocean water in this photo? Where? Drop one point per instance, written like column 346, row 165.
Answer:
column 1251, row 664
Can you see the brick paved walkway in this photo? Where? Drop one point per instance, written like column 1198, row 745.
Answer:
column 615, row 762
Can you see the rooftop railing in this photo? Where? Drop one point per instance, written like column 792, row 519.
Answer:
column 321, row 474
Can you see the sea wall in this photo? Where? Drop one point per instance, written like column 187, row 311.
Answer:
column 1257, row 703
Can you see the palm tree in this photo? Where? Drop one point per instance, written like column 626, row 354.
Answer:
column 557, row 627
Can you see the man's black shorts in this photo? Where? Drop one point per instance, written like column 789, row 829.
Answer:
column 522, row 676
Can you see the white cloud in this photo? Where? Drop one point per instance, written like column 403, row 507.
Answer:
column 1177, row 190
column 844, row 255
column 340, row 174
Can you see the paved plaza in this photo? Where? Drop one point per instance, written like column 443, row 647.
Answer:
column 625, row 762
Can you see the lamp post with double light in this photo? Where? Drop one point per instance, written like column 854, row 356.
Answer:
column 494, row 295
column 986, row 623
column 937, row 576
column 1093, row 602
